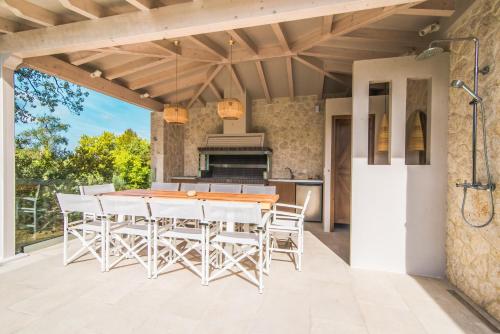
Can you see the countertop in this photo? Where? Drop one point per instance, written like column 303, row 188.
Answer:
column 308, row 181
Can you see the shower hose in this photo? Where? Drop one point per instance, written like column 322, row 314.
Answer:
column 490, row 186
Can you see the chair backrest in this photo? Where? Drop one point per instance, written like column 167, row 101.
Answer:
column 176, row 208
column 232, row 212
column 306, row 203
column 259, row 189
column 79, row 203
column 199, row 187
column 97, row 189
column 225, row 188
column 124, row 205
column 165, row 186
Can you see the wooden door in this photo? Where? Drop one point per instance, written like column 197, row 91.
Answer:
column 341, row 170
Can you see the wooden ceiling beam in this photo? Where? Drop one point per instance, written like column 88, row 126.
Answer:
column 182, row 83
column 65, row 71
column 133, row 66
column 289, row 72
column 209, row 46
column 212, row 74
column 317, row 69
column 214, row 90
column 408, row 38
column 166, row 74
column 147, row 49
column 87, row 8
column 143, row 5
column 326, row 27
column 263, row 81
column 83, row 57
column 185, row 19
column 280, row 35
column 9, row 27
column 334, row 66
column 351, row 22
column 439, row 8
column 341, row 53
column 242, row 39
column 31, row 12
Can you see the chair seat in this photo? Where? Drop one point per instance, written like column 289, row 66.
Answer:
column 284, row 225
column 132, row 229
column 183, row 233
column 243, row 238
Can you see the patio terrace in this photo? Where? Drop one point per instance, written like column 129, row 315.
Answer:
column 39, row 295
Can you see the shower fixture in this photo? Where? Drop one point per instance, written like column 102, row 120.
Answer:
column 490, row 186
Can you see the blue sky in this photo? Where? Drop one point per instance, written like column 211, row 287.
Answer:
column 101, row 113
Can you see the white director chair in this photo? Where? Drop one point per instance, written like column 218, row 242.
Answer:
column 88, row 207
column 246, row 244
column 178, row 242
column 128, row 239
column 284, row 227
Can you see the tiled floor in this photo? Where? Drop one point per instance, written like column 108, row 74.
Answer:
column 39, row 295
column 338, row 241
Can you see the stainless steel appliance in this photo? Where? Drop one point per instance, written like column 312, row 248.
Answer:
column 315, row 208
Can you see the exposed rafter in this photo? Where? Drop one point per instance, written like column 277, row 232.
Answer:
column 280, row 35
column 318, row 69
column 326, row 27
column 216, row 92
column 212, row 74
column 31, row 12
column 84, row 57
column 8, row 26
column 184, row 82
column 242, row 38
column 133, row 66
column 263, row 81
column 166, row 74
column 65, row 71
column 325, row 52
column 438, row 8
column 144, row 5
column 87, row 8
column 289, row 73
column 209, row 45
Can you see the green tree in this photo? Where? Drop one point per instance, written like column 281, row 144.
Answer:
column 123, row 160
column 33, row 89
column 41, row 151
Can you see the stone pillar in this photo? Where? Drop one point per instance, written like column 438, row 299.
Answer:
column 7, row 157
column 167, row 149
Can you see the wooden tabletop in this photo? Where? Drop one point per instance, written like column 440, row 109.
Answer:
column 213, row 196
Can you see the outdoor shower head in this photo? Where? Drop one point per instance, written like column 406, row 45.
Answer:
column 431, row 51
column 461, row 84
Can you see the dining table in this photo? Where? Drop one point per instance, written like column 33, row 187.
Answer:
column 266, row 201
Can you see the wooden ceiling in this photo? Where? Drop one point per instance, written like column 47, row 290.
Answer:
column 292, row 58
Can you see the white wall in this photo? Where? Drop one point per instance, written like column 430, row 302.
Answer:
column 398, row 212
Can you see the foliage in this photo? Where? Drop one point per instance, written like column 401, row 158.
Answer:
column 33, row 88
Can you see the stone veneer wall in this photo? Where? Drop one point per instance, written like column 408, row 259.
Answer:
column 473, row 255
column 293, row 130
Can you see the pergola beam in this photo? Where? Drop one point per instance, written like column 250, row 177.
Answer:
column 209, row 46
column 65, row 71
column 263, row 81
column 31, row 12
column 87, row 8
column 212, row 74
column 171, row 22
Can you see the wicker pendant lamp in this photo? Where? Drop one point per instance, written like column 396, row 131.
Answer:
column 383, row 131
column 416, row 141
column 175, row 113
column 230, row 108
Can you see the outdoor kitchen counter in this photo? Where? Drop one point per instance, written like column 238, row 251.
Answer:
column 308, row 181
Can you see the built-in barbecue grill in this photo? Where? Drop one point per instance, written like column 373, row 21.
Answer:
column 235, row 158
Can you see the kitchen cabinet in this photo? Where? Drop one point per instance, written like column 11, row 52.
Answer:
column 286, row 191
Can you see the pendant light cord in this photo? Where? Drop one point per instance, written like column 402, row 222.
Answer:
column 230, row 66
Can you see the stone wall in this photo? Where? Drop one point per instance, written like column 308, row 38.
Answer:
column 473, row 255
column 293, row 130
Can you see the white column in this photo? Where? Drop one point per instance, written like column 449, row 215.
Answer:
column 7, row 157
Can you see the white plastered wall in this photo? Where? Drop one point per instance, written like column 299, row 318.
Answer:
column 398, row 212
